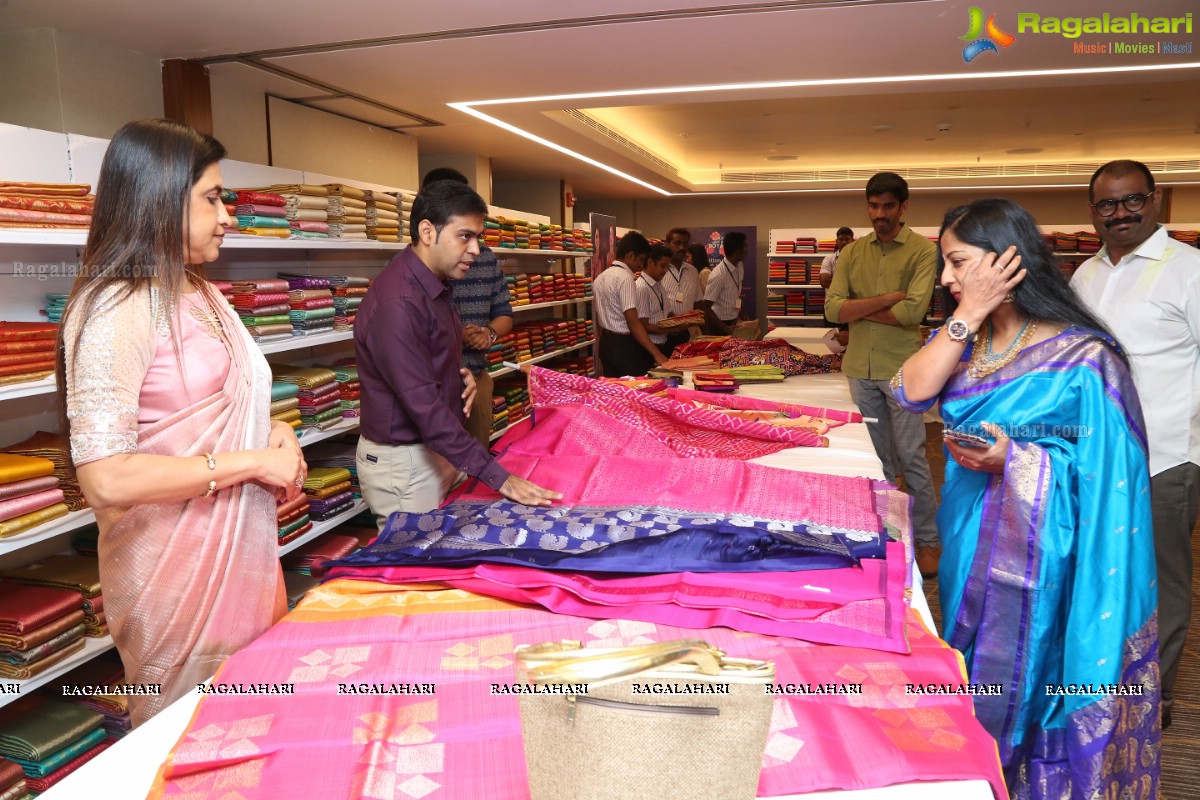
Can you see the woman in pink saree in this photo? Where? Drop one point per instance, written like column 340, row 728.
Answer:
column 167, row 403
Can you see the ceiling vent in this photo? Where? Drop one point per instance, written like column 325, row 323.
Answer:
column 1079, row 169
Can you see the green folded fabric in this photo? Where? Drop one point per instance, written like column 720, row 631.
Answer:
column 281, row 391
column 263, row 222
column 271, row 319
column 346, row 374
column 40, row 769
column 300, row 522
column 313, row 313
column 309, row 234
column 309, row 419
column 35, row 727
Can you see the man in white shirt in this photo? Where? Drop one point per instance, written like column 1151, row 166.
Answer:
column 844, row 237
column 722, row 303
column 1146, row 287
column 651, row 299
column 681, row 284
column 625, row 346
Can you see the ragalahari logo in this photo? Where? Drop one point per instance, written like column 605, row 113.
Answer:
column 976, row 43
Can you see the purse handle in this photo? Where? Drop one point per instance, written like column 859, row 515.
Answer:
column 551, row 663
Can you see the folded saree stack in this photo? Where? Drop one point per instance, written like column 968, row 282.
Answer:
column 349, row 389
column 40, row 627
column 45, row 205
column 293, row 519
column 510, row 403
column 103, row 671
column 30, row 493
column 329, row 490
column 78, row 573
column 317, row 394
column 12, row 781
column 57, row 448
column 50, row 738
column 285, row 403
column 262, row 304
column 347, row 211
column 312, row 309
column 261, row 214
column 56, row 303
column 383, row 217
column 404, row 203
column 336, row 455
column 309, row 559
column 26, row 351
column 731, row 351
column 663, row 533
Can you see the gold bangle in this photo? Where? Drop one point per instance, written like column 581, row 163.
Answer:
column 212, row 464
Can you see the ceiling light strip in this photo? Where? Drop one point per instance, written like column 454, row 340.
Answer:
column 466, row 109
column 911, row 188
column 815, row 82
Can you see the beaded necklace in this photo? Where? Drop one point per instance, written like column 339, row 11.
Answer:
column 984, row 362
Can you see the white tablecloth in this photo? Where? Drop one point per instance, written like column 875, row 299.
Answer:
column 127, row 769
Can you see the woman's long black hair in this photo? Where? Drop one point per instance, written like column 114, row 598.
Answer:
column 994, row 224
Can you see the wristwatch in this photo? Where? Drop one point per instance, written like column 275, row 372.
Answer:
column 492, row 335
column 958, row 330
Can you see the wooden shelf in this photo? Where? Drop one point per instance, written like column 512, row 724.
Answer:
column 544, row 357
column 305, row 342
column 802, row 255
column 313, row 435
column 324, row 526
column 46, row 385
column 91, row 649
column 512, row 252
column 72, row 521
column 794, row 286
column 551, row 304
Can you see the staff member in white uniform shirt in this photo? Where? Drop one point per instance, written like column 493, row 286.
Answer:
column 625, row 346
column 681, row 284
column 1146, row 287
column 722, row 303
column 651, row 299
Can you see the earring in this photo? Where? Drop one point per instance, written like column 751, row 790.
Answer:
column 1010, row 297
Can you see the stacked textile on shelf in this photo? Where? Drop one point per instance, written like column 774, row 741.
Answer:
column 292, row 519
column 1187, row 237
column 26, row 351
column 31, row 493
column 12, row 781
column 285, row 403
column 78, row 573
column 337, row 455
column 383, row 217
column 329, row 490
column 262, row 305
column 584, row 365
column 318, row 395
column 57, row 448
column 261, row 214
column 348, row 294
column 510, row 403
column 40, row 627
column 225, row 288
column 309, row 559
column 503, row 349
column 50, row 738
column 444, row 597
column 491, row 232
column 349, row 389
column 45, row 205
column 103, row 671
column 347, row 211
column 730, row 351
column 1088, row 241
column 56, row 304
column 311, row 305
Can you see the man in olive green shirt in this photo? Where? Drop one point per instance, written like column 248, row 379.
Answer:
column 882, row 288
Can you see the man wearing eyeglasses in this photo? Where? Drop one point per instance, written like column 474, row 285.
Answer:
column 1146, row 287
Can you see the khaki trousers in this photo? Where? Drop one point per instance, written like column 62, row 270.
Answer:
column 405, row 477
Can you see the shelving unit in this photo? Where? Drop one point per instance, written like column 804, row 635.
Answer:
column 544, row 357
column 552, row 304
column 324, row 526
column 91, row 649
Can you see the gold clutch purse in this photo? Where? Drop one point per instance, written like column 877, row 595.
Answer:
column 672, row 719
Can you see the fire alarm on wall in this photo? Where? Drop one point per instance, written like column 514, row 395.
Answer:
column 570, row 199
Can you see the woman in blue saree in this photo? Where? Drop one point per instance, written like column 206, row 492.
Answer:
column 1048, row 575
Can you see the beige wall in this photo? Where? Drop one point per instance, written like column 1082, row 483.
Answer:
column 1185, row 206
column 536, row 197
column 311, row 140
column 239, row 115
column 60, row 81
column 477, row 170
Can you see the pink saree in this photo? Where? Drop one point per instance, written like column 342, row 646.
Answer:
column 185, row 584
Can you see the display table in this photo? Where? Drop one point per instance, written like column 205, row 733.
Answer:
column 132, row 764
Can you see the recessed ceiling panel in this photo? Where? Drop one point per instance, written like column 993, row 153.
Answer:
column 365, row 112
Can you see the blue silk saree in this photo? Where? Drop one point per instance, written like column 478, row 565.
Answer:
column 1047, row 578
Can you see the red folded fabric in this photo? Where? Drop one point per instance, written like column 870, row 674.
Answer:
column 259, row 300
column 21, row 369
column 310, row 305
column 260, row 198
column 25, row 331
column 260, row 210
column 288, row 508
column 26, row 607
column 42, row 784
column 10, row 773
column 310, row 225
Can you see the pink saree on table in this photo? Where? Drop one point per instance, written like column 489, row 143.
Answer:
column 185, row 584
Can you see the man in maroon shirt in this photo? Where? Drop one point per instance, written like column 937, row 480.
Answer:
column 408, row 342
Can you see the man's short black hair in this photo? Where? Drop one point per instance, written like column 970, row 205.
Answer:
column 441, row 200
column 444, row 174
column 734, row 242
column 633, row 242
column 658, row 251
column 671, row 233
column 888, row 183
column 1118, row 168
column 844, row 231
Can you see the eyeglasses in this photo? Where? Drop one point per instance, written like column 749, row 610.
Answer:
column 1132, row 202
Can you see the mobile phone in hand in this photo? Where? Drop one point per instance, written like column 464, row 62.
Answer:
column 966, row 439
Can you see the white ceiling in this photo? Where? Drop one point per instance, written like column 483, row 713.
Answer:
column 852, row 65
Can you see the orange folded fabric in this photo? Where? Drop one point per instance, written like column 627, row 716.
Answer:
column 21, row 468
column 8, row 223
column 10, row 331
column 58, row 205
column 21, row 369
column 27, row 358
column 46, row 189
column 39, row 217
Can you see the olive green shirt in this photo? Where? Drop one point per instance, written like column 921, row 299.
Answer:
column 867, row 268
